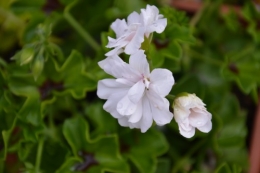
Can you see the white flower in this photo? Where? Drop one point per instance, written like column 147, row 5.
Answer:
column 190, row 113
column 136, row 96
column 130, row 34
column 152, row 20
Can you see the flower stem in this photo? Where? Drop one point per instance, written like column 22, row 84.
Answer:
column 86, row 36
column 39, row 155
column 198, row 15
column 171, row 97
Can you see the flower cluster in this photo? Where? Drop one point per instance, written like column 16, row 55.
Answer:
column 136, row 96
column 130, row 34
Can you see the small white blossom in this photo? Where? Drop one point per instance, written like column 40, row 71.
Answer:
column 130, row 34
column 152, row 20
column 136, row 97
column 190, row 113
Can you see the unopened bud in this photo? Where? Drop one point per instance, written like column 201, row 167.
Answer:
column 26, row 56
column 190, row 114
column 37, row 66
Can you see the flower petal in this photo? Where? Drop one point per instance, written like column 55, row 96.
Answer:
column 119, row 27
column 116, row 67
column 152, row 20
column 115, row 51
column 147, row 119
column 187, row 134
column 155, row 99
column 206, row 128
column 161, row 81
column 136, row 92
column 162, row 116
column 198, row 117
column 135, row 42
column 125, row 81
column 123, row 121
column 109, row 64
column 149, row 15
column 106, row 87
column 185, row 125
column 157, row 26
column 137, row 115
column 180, row 114
column 133, row 18
column 125, row 106
column 139, row 62
column 111, row 103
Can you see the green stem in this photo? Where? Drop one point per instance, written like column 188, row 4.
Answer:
column 145, row 46
column 39, row 155
column 171, row 97
column 198, row 15
column 86, row 36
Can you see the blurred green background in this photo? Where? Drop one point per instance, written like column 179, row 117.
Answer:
column 52, row 121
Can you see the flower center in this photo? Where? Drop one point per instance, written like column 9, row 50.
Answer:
column 146, row 82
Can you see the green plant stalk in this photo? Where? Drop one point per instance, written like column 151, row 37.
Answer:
column 171, row 97
column 198, row 15
column 39, row 155
column 145, row 46
column 86, row 36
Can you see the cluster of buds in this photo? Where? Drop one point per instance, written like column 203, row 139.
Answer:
column 136, row 96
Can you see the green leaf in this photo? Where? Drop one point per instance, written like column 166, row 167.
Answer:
column 127, row 7
column 163, row 165
column 182, row 33
column 232, row 21
column 225, row 168
column 242, row 67
column 230, row 139
column 72, row 74
column 8, row 115
column 173, row 51
column 175, row 16
column 103, row 121
column 69, row 165
column 143, row 148
column 156, row 57
column 29, row 115
column 6, row 138
column 53, row 155
column 25, row 148
column 100, row 157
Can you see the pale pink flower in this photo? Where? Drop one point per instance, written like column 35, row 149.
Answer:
column 136, row 97
column 190, row 113
column 152, row 20
column 130, row 34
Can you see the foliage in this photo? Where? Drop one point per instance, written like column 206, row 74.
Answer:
column 52, row 121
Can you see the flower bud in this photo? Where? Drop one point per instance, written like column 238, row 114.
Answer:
column 37, row 66
column 26, row 56
column 190, row 113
